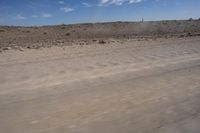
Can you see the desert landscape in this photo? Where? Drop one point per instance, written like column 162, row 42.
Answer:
column 17, row 37
column 116, row 77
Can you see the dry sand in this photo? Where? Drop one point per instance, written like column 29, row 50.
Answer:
column 120, row 85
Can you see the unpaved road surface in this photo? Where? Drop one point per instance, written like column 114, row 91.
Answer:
column 129, row 87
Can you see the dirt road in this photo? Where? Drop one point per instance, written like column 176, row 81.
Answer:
column 122, row 87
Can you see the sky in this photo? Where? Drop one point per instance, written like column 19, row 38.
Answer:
column 53, row 12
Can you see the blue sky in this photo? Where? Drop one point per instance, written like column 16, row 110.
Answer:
column 51, row 12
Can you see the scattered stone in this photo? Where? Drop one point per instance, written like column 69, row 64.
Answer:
column 20, row 49
column 35, row 47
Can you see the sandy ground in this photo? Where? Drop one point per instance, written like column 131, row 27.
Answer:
column 122, row 87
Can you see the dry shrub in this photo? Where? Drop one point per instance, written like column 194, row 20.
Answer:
column 182, row 36
column 1, row 30
column 102, row 42
column 190, row 19
column 67, row 34
column 189, row 34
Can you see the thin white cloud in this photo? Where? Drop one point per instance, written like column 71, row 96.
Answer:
column 19, row 17
column 86, row 4
column 46, row 15
column 135, row 1
column 118, row 2
column 67, row 9
column 61, row 2
column 42, row 15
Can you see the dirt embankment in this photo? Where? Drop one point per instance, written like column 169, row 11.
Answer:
column 84, row 34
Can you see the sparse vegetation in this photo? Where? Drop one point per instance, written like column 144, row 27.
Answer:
column 67, row 34
column 2, row 30
column 182, row 36
column 165, row 22
column 189, row 34
column 96, row 33
column 6, row 48
column 190, row 19
column 81, row 43
column 26, row 31
column 102, row 42
column 35, row 27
